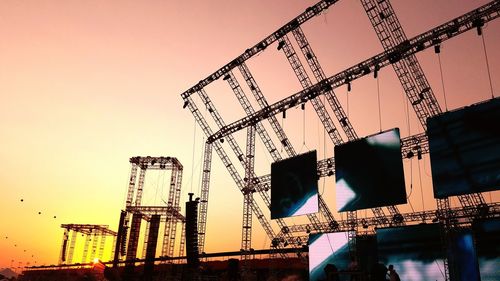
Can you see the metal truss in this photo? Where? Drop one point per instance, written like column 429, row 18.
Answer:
column 421, row 42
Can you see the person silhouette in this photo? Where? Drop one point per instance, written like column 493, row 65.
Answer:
column 393, row 275
column 331, row 272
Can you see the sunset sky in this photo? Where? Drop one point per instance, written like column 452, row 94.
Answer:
column 85, row 85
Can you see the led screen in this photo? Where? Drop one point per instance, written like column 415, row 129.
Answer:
column 462, row 259
column 328, row 252
column 369, row 172
column 465, row 149
column 294, row 186
column 487, row 235
column 415, row 251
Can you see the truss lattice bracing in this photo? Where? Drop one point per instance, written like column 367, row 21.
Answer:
column 169, row 213
column 319, row 75
column 390, row 33
column 91, row 232
column 420, row 42
column 246, row 241
column 262, row 45
column 399, row 53
column 227, row 163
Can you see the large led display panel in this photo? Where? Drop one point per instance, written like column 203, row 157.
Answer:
column 462, row 259
column 369, row 172
column 487, row 234
column 294, row 186
column 465, row 149
column 328, row 252
column 415, row 251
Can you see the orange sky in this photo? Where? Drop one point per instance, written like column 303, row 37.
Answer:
column 84, row 85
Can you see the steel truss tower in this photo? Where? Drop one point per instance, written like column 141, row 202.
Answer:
column 398, row 52
column 95, row 234
column 135, row 212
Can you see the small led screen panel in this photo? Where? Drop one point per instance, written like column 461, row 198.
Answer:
column 415, row 251
column 465, row 149
column 329, row 256
column 369, row 172
column 487, row 234
column 294, row 186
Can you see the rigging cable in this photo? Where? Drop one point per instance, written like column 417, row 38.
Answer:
column 487, row 66
column 192, row 157
column 442, row 80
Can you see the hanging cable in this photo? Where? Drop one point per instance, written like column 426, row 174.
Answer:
column 192, row 157
column 487, row 66
column 200, row 181
column 379, row 110
column 304, row 128
column 407, row 112
column 347, row 99
column 442, row 80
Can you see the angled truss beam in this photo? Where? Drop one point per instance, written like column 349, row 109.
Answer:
column 423, row 41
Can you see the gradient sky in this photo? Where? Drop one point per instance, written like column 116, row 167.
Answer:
column 84, row 85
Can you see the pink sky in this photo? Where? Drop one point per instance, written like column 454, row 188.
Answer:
column 84, row 85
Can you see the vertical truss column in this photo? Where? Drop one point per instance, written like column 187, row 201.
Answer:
column 203, row 206
column 85, row 255
column 131, row 185
column 95, row 237
column 271, row 148
column 183, row 239
column 62, row 257
column 353, row 229
column 300, row 72
column 444, row 214
column 280, row 133
column 236, row 149
column 140, row 185
column 173, row 229
column 170, row 219
column 246, row 239
column 113, row 249
column 102, row 244
column 72, row 246
column 227, row 162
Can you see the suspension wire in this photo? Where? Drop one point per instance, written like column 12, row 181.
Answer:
column 192, row 157
column 442, row 81
column 379, row 110
column 411, row 180
column 407, row 112
column 200, row 181
column 304, row 145
column 421, row 189
column 487, row 66
column 347, row 98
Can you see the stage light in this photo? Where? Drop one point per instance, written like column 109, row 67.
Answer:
column 186, row 103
